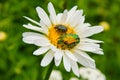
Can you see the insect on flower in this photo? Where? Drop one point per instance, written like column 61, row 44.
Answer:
column 61, row 28
column 66, row 37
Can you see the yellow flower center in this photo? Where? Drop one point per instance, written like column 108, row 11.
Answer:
column 63, row 37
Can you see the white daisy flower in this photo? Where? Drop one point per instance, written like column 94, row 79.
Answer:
column 56, row 75
column 91, row 74
column 64, row 35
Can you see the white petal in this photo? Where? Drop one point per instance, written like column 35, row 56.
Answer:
column 91, row 30
column 72, row 10
column 66, row 62
column 32, row 20
column 42, row 42
column 35, row 28
column 88, row 46
column 76, row 19
column 84, row 59
column 75, row 68
column 30, row 39
column 64, row 17
column 99, row 51
column 81, row 27
column 53, row 48
column 81, row 53
column 43, row 16
column 52, row 13
column 71, row 13
column 47, row 58
column 70, row 55
column 59, row 17
column 57, row 62
column 27, row 40
column 87, row 40
column 58, row 54
column 44, row 27
column 28, row 34
column 40, row 51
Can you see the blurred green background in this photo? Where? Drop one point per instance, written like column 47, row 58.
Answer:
column 16, row 59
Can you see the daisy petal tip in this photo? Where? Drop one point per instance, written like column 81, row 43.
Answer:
column 24, row 40
column 38, row 8
column 42, row 64
column 101, row 52
column 68, row 70
column 57, row 65
column 101, row 42
column 78, row 75
column 101, row 28
column 49, row 3
column 24, row 16
column 23, row 34
column 34, row 53
column 24, row 25
column 75, row 6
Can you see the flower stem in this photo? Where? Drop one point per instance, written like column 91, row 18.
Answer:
column 49, row 70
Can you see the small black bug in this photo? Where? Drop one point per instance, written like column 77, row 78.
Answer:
column 61, row 28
